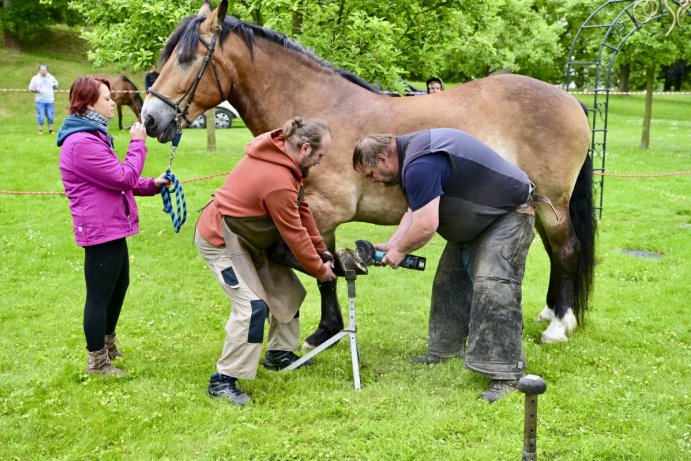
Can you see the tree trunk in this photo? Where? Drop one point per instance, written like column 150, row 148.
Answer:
column 647, row 115
column 258, row 17
column 624, row 77
column 10, row 42
column 297, row 22
column 211, row 130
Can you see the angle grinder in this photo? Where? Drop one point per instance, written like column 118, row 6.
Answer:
column 368, row 255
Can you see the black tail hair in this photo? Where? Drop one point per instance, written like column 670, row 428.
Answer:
column 584, row 224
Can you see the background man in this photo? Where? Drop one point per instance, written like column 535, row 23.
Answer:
column 480, row 203
column 260, row 203
column 44, row 85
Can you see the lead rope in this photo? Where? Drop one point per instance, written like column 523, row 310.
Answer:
column 180, row 215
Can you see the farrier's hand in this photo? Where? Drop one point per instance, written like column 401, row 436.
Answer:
column 329, row 276
column 393, row 258
column 137, row 132
column 162, row 181
column 382, row 246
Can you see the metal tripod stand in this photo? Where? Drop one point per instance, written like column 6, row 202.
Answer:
column 349, row 331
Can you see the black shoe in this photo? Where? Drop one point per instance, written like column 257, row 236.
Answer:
column 225, row 387
column 498, row 388
column 278, row 360
column 429, row 359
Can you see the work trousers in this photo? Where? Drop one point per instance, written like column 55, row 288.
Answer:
column 476, row 299
column 245, row 325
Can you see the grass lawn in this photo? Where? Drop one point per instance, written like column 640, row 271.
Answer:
column 618, row 390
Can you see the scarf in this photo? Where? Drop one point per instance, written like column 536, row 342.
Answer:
column 94, row 117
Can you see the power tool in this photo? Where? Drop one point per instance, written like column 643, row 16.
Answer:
column 368, row 255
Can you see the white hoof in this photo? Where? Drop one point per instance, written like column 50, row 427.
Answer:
column 546, row 315
column 555, row 332
column 569, row 321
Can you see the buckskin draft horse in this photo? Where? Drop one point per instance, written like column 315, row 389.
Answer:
column 270, row 78
column 124, row 93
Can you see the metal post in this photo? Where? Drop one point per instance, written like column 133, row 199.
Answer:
column 531, row 386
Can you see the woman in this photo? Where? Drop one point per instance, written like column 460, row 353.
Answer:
column 101, row 190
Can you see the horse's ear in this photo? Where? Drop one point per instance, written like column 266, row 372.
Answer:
column 214, row 20
column 206, row 8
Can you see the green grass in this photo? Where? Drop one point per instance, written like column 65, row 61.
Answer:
column 618, row 390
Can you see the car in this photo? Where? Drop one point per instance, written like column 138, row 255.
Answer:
column 225, row 113
column 410, row 90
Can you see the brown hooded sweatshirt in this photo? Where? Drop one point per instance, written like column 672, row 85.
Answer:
column 267, row 183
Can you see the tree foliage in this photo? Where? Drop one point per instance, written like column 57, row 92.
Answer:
column 26, row 19
column 381, row 41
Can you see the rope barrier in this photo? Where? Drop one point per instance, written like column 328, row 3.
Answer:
column 652, row 175
column 629, row 93
column 203, row 178
column 621, row 93
column 18, row 90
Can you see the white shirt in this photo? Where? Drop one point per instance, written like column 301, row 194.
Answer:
column 45, row 86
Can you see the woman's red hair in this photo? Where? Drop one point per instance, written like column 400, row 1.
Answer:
column 84, row 93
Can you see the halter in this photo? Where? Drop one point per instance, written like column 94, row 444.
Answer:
column 181, row 115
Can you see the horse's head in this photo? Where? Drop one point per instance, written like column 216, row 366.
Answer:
column 190, row 79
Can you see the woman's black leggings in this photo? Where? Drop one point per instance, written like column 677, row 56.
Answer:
column 107, row 275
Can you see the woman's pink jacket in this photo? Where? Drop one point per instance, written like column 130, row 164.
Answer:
column 101, row 188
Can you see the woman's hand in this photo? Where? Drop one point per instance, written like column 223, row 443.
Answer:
column 162, row 181
column 137, row 132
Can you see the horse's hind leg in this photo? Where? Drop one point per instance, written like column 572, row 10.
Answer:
column 547, row 313
column 331, row 319
column 564, row 266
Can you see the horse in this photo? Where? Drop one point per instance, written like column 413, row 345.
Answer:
column 124, row 93
column 270, row 78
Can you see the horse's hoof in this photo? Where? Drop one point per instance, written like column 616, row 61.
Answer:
column 555, row 333
column 318, row 337
column 569, row 321
column 546, row 315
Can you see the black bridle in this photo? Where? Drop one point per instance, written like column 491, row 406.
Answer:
column 181, row 115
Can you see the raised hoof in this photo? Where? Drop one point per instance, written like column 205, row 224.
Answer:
column 546, row 315
column 317, row 338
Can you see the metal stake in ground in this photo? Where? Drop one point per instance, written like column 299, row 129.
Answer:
column 531, row 386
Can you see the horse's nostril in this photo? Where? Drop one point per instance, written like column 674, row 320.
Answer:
column 149, row 122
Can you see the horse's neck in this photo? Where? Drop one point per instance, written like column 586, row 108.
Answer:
column 280, row 84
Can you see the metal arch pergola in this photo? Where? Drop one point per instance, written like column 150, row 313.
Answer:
column 612, row 24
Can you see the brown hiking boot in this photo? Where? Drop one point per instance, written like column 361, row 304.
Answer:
column 99, row 364
column 113, row 351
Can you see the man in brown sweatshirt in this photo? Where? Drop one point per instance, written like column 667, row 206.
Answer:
column 260, row 203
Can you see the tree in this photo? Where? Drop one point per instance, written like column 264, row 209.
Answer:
column 130, row 33
column 22, row 20
column 381, row 42
column 649, row 48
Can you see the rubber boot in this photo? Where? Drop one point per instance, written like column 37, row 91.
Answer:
column 99, row 364
column 113, row 351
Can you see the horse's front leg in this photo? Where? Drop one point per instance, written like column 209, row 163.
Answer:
column 120, row 116
column 331, row 319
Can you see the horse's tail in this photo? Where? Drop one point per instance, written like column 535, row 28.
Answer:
column 584, row 224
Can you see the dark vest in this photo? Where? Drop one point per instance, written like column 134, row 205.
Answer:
column 482, row 187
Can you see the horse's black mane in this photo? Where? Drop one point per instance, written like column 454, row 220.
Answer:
column 187, row 37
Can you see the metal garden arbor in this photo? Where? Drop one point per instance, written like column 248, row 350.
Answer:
column 611, row 25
